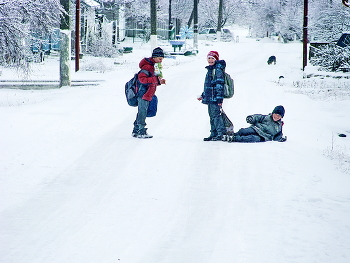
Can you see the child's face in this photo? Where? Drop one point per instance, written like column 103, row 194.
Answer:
column 158, row 59
column 276, row 117
column 211, row 61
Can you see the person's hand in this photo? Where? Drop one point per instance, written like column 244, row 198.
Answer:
column 162, row 81
column 249, row 119
column 199, row 98
column 219, row 104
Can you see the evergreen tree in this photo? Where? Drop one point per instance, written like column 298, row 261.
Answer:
column 331, row 58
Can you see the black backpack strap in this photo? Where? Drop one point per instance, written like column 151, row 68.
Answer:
column 149, row 74
column 146, row 72
column 149, row 61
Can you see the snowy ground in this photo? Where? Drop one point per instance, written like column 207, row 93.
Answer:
column 76, row 187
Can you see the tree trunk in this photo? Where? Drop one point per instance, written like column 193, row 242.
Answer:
column 305, row 34
column 218, row 29
column 189, row 23
column 77, row 34
column 65, row 50
column 170, row 22
column 65, row 21
column 65, row 46
column 153, row 24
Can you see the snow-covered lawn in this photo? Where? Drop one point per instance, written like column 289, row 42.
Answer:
column 76, row 187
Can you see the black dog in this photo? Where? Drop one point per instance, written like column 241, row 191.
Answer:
column 271, row 60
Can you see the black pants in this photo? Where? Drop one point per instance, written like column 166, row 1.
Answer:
column 248, row 135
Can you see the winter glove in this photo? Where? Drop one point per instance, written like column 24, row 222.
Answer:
column 283, row 139
column 249, row 119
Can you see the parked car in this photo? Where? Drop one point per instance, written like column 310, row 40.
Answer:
column 210, row 34
column 207, row 34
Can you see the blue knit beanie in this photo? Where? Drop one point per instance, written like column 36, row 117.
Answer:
column 279, row 110
column 157, row 53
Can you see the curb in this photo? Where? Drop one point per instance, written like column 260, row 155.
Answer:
column 44, row 84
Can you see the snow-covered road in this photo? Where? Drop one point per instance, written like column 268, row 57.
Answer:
column 76, row 187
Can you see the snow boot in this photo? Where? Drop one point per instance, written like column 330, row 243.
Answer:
column 210, row 138
column 143, row 134
column 217, row 138
column 225, row 138
column 134, row 133
column 213, row 138
column 231, row 138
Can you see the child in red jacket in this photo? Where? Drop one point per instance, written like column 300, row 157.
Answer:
column 149, row 82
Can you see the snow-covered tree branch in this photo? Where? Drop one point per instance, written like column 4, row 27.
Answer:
column 19, row 20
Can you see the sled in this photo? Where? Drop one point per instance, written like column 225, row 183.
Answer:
column 227, row 122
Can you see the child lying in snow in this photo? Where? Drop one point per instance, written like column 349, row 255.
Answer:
column 263, row 128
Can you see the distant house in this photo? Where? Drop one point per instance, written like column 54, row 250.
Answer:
column 97, row 20
column 114, row 15
column 89, row 23
column 41, row 44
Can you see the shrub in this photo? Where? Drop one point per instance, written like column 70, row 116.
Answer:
column 331, row 58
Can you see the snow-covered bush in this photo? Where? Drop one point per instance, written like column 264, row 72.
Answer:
column 97, row 64
column 100, row 43
column 339, row 153
column 323, row 89
column 102, row 47
column 331, row 57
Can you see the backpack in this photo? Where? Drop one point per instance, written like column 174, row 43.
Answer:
column 228, row 86
column 152, row 107
column 131, row 88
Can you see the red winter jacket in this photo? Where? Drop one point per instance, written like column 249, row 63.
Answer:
column 153, row 81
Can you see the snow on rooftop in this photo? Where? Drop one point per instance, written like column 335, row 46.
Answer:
column 91, row 3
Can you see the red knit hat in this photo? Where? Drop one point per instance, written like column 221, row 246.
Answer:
column 213, row 54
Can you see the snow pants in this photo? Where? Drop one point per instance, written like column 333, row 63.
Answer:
column 217, row 127
column 248, row 135
column 140, row 122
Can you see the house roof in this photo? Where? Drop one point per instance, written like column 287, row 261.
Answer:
column 344, row 40
column 91, row 3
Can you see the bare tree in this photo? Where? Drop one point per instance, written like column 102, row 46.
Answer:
column 218, row 28
column 19, row 21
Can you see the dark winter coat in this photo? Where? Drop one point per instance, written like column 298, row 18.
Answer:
column 149, row 82
column 266, row 127
column 214, row 83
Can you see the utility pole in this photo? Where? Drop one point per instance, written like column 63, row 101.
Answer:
column 170, row 22
column 77, row 34
column 65, row 46
column 153, row 24
column 305, row 34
